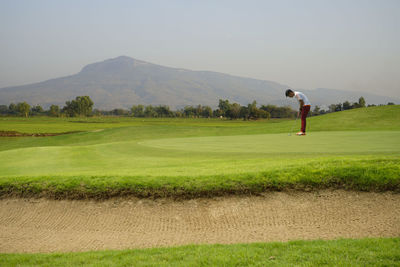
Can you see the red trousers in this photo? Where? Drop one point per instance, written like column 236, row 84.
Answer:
column 304, row 113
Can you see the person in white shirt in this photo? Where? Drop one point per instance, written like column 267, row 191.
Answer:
column 305, row 107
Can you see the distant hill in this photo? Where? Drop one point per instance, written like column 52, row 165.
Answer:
column 123, row 81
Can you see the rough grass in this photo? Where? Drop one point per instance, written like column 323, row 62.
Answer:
column 345, row 252
column 368, row 174
column 200, row 157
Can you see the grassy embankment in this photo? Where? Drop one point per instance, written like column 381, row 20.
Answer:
column 356, row 149
column 364, row 252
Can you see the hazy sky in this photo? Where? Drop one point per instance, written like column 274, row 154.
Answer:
column 349, row 44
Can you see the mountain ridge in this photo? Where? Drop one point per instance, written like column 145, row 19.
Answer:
column 124, row 81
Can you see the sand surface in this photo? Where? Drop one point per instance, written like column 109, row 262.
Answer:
column 41, row 225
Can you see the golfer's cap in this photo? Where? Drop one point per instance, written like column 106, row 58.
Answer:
column 287, row 92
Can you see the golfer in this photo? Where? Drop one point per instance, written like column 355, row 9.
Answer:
column 305, row 106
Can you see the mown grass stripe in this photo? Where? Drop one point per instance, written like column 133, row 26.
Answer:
column 343, row 252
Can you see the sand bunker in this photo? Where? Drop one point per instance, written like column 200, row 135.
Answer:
column 40, row 225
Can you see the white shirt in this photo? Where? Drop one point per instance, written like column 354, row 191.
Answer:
column 300, row 96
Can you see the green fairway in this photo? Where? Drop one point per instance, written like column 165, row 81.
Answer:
column 200, row 155
column 346, row 252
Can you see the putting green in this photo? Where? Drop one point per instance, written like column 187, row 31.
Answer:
column 195, row 155
column 318, row 142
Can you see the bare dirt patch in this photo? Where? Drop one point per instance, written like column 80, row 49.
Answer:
column 18, row 134
column 42, row 225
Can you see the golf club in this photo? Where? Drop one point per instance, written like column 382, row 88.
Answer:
column 290, row 133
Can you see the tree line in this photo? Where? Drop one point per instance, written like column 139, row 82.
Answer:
column 343, row 106
column 225, row 110
column 82, row 106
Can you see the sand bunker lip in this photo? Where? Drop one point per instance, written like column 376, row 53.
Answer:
column 40, row 225
column 19, row 134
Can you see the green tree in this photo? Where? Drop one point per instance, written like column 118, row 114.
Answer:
column 218, row 113
column 85, row 105
column 253, row 111
column 12, row 109
column 23, row 108
column 244, row 113
column 137, row 111
column 178, row 114
column 361, row 102
column 149, row 111
column 54, row 111
column 234, row 111
column 37, row 110
column 316, row 111
column 163, row 111
column 71, row 109
column 335, row 107
column 3, row 109
column 189, row 111
column 207, row 112
column 279, row 112
column 347, row 105
column 264, row 114
column 224, row 106
column 81, row 106
column 119, row 112
column 199, row 110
